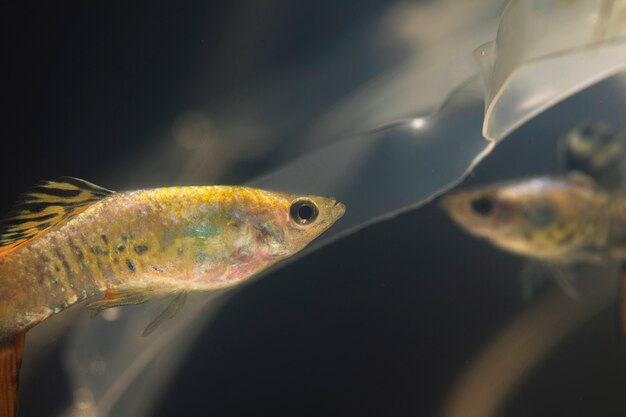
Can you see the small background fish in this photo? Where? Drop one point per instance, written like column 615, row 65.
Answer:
column 557, row 222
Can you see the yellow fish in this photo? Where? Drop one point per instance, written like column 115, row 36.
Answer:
column 580, row 216
column 68, row 240
column 560, row 221
column 555, row 219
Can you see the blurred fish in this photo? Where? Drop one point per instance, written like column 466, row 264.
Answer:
column 578, row 216
column 68, row 240
column 559, row 221
column 555, row 219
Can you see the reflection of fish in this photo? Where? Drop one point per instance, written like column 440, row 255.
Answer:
column 560, row 221
column 68, row 240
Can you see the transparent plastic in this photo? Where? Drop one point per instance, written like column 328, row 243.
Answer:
column 545, row 51
column 394, row 168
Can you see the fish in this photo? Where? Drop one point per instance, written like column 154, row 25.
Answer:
column 559, row 221
column 68, row 240
column 556, row 219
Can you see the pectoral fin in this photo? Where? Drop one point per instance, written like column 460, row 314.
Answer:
column 535, row 272
column 118, row 298
column 173, row 307
column 11, row 350
column 532, row 277
column 564, row 277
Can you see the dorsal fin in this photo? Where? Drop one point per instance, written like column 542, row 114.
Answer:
column 596, row 150
column 45, row 205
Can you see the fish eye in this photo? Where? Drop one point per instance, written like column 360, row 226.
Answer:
column 482, row 206
column 303, row 212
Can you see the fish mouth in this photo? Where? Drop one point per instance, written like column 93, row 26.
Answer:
column 452, row 206
column 446, row 203
column 338, row 209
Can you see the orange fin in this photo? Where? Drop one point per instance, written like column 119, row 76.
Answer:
column 118, row 298
column 44, row 206
column 11, row 350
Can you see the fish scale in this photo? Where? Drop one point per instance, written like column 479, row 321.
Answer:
column 161, row 240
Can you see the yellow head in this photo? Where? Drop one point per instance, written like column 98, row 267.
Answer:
column 293, row 222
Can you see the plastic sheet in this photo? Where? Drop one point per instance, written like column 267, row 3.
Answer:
column 396, row 167
column 546, row 51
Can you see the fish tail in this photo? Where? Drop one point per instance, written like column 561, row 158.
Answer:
column 11, row 350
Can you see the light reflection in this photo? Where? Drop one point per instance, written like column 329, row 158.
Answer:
column 418, row 123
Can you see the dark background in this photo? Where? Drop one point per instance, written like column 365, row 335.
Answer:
column 89, row 87
column 379, row 323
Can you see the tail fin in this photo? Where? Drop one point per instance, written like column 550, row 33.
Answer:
column 11, row 350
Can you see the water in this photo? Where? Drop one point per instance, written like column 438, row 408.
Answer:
column 407, row 316
column 396, row 318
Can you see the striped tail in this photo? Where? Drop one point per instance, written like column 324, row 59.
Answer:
column 11, row 350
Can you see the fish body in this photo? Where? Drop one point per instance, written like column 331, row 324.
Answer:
column 559, row 219
column 155, row 242
column 577, row 216
column 68, row 240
